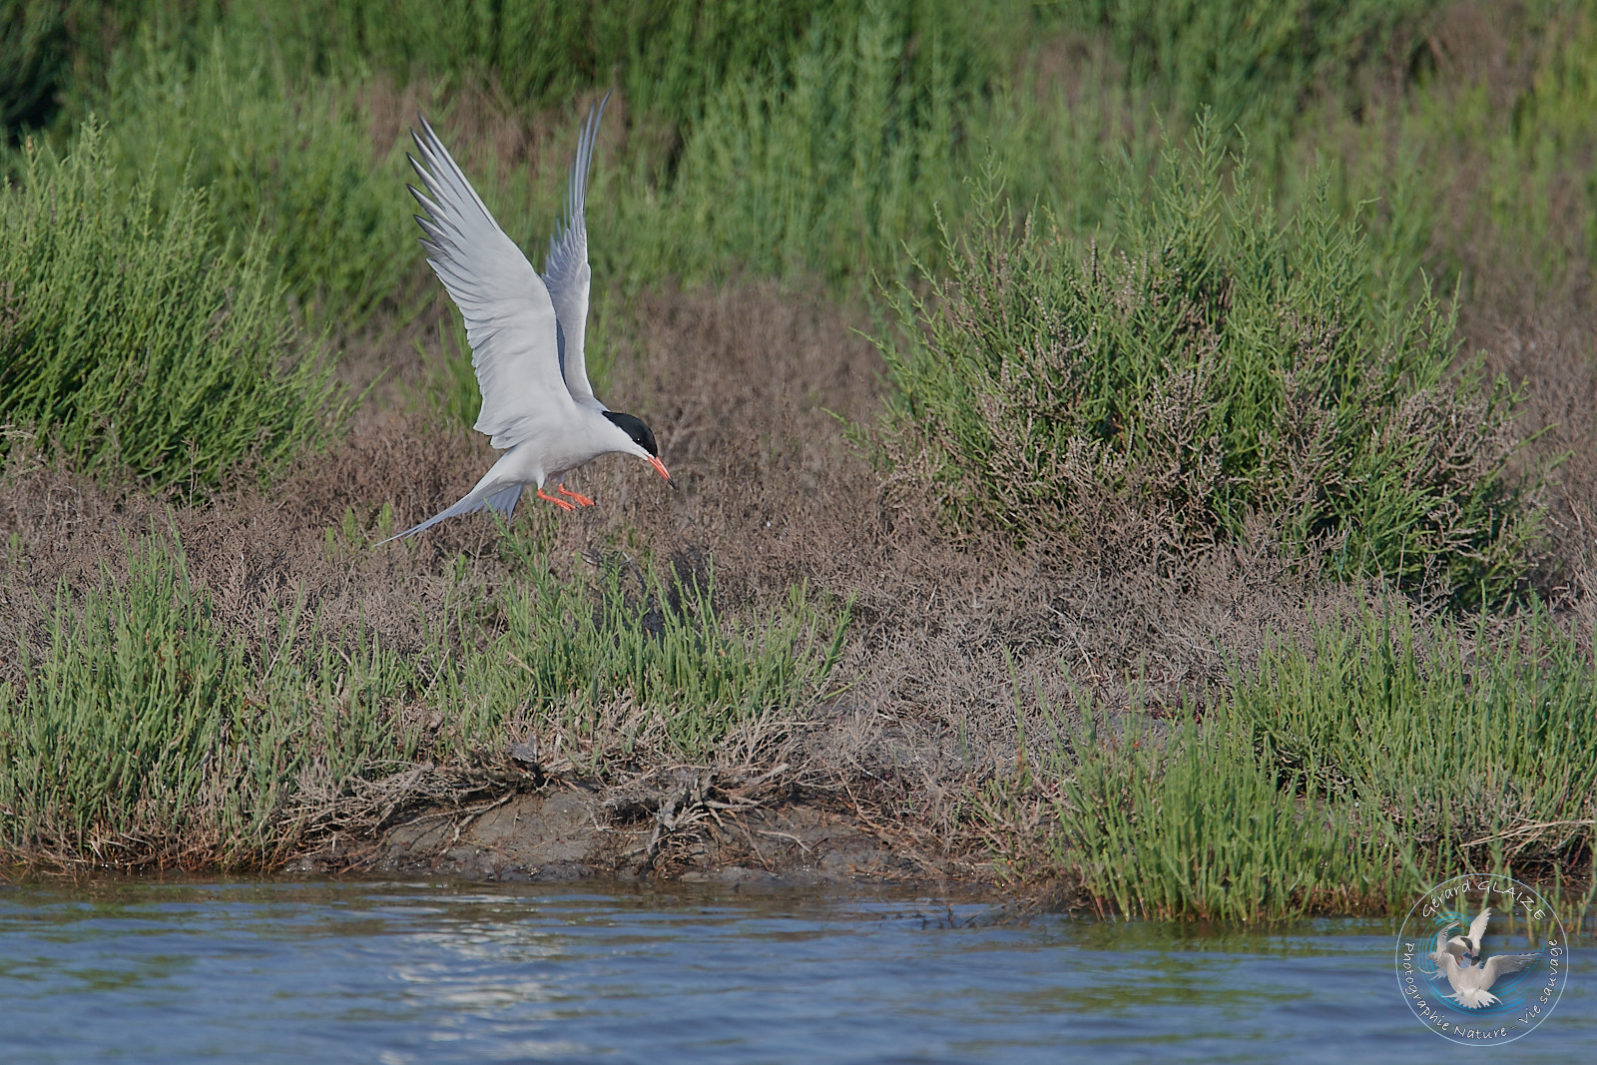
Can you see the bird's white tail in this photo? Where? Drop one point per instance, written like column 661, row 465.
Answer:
column 502, row 502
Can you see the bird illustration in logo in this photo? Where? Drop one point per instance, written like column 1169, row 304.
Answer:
column 1458, row 959
column 1468, row 948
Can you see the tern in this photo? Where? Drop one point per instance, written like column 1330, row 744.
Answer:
column 1468, row 948
column 1472, row 983
column 525, row 332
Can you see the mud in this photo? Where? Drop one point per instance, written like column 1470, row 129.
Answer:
column 571, row 833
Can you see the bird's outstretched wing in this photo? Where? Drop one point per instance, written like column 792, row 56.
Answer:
column 1477, row 929
column 510, row 321
column 566, row 271
column 1502, row 964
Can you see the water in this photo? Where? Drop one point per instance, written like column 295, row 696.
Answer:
column 303, row 972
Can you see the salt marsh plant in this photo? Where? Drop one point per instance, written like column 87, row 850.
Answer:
column 830, row 160
column 1393, row 755
column 279, row 153
column 1479, row 748
column 131, row 338
column 1197, row 826
column 641, row 646
column 1258, row 65
column 146, row 733
column 146, row 729
column 1216, row 365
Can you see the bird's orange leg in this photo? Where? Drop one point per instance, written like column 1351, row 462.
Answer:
column 556, row 500
column 582, row 500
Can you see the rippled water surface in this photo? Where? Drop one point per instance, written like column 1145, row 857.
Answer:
column 304, row 972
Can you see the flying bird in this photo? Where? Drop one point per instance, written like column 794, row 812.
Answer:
column 526, row 332
column 1472, row 983
column 1468, row 948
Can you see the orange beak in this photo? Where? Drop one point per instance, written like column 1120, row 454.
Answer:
column 659, row 467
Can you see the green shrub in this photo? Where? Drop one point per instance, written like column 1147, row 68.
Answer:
column 1220, row 365
column 667, row 58
column 132, row 339
column 1521, row 169
column 291, row 156
column 149, row 733
column 831, row 162
column 629, row 647
column 1479, row 748
column 1255, row 63
column 540, row 53
column 35, row 51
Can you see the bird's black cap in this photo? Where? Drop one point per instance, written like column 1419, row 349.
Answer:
column 634, row 428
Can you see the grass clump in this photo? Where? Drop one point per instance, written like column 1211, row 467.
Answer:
column 1199, row 827
column 1220, row 366
column 1479, row 750
column 1338, row 780
column 291, row 158
column 627, row 657
column 146, row 733
column 130, row 338
column 145, row 727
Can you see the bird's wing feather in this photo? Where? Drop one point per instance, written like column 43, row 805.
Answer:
column 1477, row 928
column 510, row 320
column 1503, row 964
column 566, row 271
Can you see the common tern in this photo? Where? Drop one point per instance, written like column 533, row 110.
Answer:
column 1468, row 948
column 1472, row 983
column 525, row 332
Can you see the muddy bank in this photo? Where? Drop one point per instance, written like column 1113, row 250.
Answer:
column 573, row 833
column 854, row 798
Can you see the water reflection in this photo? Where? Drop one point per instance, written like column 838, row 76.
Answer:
column 410, row 972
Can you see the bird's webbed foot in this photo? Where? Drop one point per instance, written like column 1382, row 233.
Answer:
column 582, row 500
column 556, row 500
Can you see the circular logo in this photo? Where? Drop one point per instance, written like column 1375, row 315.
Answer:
column 1482, row 959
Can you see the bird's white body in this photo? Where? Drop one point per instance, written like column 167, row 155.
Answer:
column 526, row 334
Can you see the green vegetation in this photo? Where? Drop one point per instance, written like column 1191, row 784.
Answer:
column 149, row 731
column 1387, row 759
column 33, row 55
column 131, row 339
column 633, row 653
column 1477, row 747
column 294, row 162
column 147, row 734
column 1201, row 827
column 1256, row 63
column 831, row 161
column 1214, row 365
column 1115, row 330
